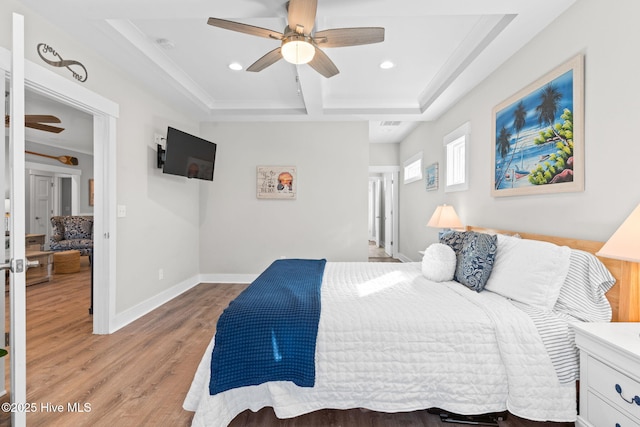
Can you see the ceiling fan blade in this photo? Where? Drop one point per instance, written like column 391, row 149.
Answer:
column 245, row 28
column 46, row 128
column 302, row 15
column 32, row 121
column 341, row 37
column 41, row 118
column 322, row 64
column 269, row 59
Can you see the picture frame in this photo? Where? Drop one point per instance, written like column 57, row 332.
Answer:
column 431, row 177
column 538, row 135
column 276, row 182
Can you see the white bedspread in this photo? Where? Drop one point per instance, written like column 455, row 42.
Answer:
column 390, row 340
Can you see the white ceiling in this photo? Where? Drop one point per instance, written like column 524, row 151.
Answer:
column 441, row 50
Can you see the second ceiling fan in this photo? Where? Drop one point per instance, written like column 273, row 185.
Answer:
column 37, row 121
column 299, row 44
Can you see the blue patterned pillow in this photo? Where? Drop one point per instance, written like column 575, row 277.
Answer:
column 453, row 239
column 475, row 259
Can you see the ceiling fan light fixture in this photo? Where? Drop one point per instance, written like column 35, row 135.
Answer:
column 297, row 49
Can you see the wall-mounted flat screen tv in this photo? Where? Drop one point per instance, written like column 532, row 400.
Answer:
column 187, row 155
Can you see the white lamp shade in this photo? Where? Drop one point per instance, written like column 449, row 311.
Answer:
column 445, row 217
column 298, row 51
column 625, row 242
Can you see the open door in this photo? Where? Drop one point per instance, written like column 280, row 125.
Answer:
column 390, row 209
column 17, row 263
column 377, row 192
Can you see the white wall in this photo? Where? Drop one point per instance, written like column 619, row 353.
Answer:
column 241, row 234
column 383, row 154
column 607, row 34
column 161, row 229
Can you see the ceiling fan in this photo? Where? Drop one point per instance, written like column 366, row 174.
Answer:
column 36, row 121
column 300, row 45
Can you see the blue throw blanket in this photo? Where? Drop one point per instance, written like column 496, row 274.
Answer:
column 268, row 333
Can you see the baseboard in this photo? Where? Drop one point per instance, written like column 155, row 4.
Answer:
column 227, row 278
column 403, row 257
column 123, row 319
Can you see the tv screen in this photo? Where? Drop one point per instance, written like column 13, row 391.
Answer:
column 188, row 155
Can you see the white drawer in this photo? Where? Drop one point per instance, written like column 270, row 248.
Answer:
column 602, row 414
column 605, row 379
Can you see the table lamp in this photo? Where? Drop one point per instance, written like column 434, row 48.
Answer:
column 624, row 245
column 445, row 217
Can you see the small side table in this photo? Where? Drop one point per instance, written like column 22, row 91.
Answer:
column 34, row 242
column 609, row 374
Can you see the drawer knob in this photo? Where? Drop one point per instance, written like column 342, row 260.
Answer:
column 634, row 399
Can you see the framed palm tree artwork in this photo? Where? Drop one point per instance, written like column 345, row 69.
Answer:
column 538, row 135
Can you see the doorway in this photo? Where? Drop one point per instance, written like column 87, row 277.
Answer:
column 104, row 112
column 382, row 213
column 50, row 190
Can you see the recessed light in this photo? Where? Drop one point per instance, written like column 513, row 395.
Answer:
column 235, row 66
column 386, row 65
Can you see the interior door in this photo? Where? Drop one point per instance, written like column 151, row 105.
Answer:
column 389, row 237
column 41, row 204
column 17, row 262
column 377, row 191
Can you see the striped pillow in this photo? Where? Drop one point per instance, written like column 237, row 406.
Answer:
column 583, row 293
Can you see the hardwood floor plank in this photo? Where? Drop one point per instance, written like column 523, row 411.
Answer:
column 139, row 375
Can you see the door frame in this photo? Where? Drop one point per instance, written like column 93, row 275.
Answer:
column 15, row 69
column 58, row 172
column 105, row 113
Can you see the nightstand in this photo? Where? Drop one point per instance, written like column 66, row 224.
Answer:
column 609, row 374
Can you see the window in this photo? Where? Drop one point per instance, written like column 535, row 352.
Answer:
column 413, row 168
column 457, row 165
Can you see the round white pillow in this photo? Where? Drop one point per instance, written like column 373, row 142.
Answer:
column 439, row 263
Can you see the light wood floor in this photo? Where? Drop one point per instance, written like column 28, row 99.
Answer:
column 377, row 254
column 139, row 375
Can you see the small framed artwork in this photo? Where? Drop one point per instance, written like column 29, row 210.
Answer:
column 91, row 192
column 277, row 182
column 431, row 177
column 538, row 135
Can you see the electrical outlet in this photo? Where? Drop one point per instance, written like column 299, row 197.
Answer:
column 160, row 274
column 122, row 211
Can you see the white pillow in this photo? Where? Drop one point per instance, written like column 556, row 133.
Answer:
column 439, row 263
column 529, row 271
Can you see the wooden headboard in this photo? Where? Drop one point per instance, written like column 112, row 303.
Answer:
column 625, row 294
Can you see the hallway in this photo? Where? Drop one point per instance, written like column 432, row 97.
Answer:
column 377, row 254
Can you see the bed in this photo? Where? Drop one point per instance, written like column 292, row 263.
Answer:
column 392, row 339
